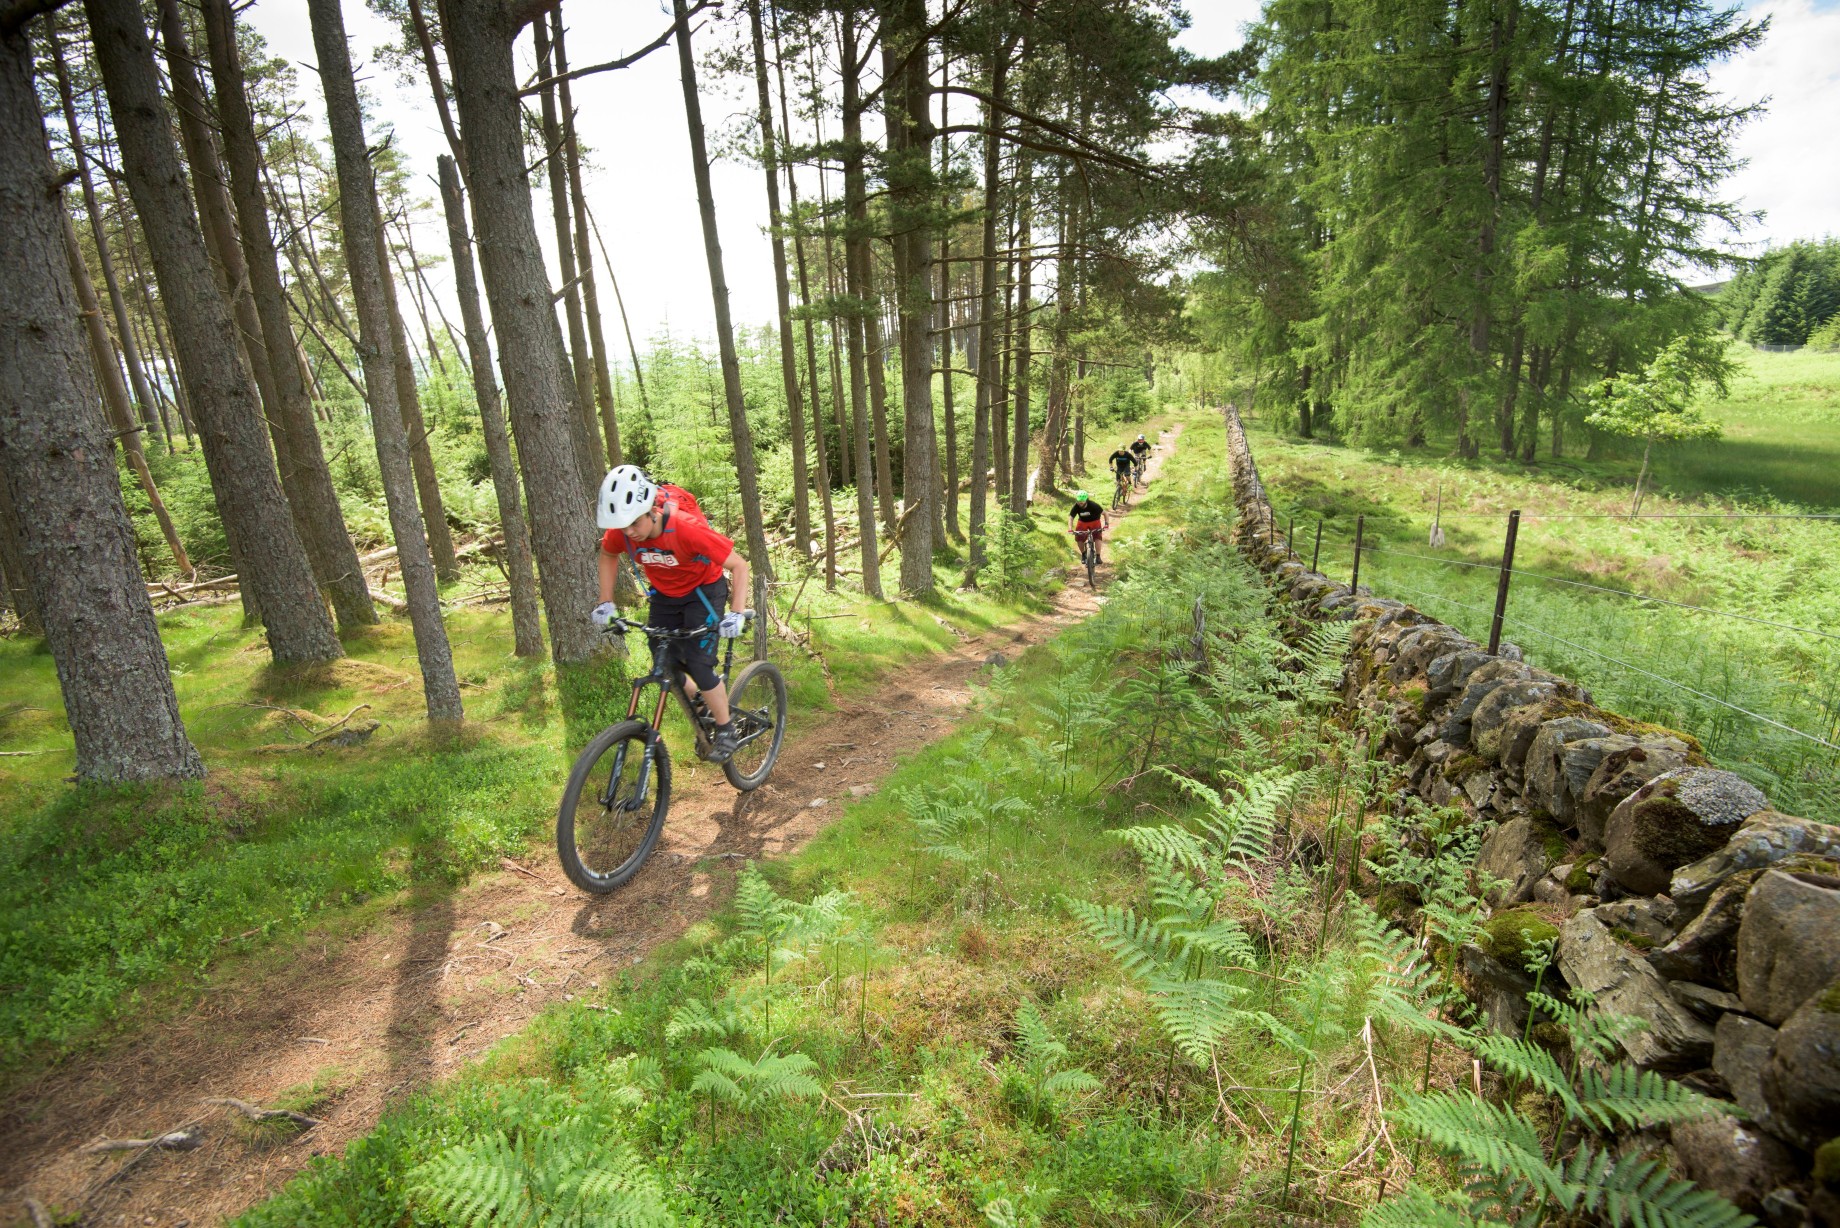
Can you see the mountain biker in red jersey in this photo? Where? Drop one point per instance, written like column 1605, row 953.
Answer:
column 692, row 570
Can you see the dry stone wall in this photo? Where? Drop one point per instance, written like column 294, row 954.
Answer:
column 1678, row 895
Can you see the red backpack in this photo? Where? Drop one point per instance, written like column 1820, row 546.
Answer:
column 683, row 498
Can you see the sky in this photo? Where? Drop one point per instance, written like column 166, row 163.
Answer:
column 641, row 194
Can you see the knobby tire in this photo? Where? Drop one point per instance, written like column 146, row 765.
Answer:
column 608, row 827
column 758, row 693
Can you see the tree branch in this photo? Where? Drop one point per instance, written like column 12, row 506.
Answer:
column 625, row 61
column 16, row 14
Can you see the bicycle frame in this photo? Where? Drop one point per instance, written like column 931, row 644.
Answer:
column 670, row 681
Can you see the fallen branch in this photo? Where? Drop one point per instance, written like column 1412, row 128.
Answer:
column 41, row 1218
column 329, row 730
column 507, row 864
column 183, row 1139
column 255, row 1112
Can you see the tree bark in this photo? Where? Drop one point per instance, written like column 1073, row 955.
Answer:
column 1019, row 440
column 859, row 274
column 59, row 473
column 525, row 627
column 118, row 304
column 858, row 309
column 910, row 139
column 987, row 321
column 725, row 331
column 563, row 539
column 581, row 369
column 115, row 392
column 788, row 351
column 821, row 452
column 408, row 399
column 308, row 481
column 223, row 400
column 208, row 180
column 376, row 337
column 590, row 292
column 13, row 574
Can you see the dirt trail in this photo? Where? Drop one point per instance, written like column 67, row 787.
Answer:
column 429, row 986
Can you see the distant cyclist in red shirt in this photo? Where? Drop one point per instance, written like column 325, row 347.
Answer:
column 692, row 569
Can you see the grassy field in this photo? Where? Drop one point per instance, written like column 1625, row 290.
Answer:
column 118, row 904
column 1692, row 670
column 1782, row 434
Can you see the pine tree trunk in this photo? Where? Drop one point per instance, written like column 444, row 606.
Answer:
column 910, row 177
column 58, row 470
column 408, row 399
column 584, row 259
column 986, row 365
column 308, row 483
column 224, row 402
column 854, row 322
column 563, row 539
column 118, row 304
column 13, row 575
column 788, row 352
column 1019, row 442
column 526, row 631
column 208, row 179
column 115, row 392
column 821, row 453
column 741, row 434
column 859, row 277
column 581, row 368
column 359, row 219
column 948, row 409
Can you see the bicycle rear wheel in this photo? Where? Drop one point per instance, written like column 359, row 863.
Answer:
column 1092, row 565
column 757, row 705
column 606, row 827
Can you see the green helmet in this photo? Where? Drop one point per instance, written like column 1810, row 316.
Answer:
column 1081, row 495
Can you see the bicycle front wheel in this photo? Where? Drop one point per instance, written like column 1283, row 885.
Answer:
column 1092, row 565
column 614, row 807
column 757, row 704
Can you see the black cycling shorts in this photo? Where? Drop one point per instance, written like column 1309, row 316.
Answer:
column 701, row 607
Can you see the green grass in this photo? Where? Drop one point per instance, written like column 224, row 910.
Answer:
column 1782, row 434
column 1573, row 530
column 116, row 905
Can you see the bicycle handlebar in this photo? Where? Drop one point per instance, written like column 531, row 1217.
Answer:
column 621, row 626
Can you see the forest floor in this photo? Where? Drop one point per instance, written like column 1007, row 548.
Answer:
column 355, row 1022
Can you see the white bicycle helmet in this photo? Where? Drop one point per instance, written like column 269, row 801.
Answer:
column 626, row 495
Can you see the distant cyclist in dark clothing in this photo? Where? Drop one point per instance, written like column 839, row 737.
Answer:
column 1087, row 519
column 1121, row 461
column 1141, row 447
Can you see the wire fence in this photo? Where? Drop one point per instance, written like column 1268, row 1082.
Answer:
column 1779, row 711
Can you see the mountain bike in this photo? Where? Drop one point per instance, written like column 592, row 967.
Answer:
column 1140, row 465
column 1088, row 540
column 619, row 791
column 1121, row 489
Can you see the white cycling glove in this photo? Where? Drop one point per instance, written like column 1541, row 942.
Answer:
column 732, row 624
column 603, row 614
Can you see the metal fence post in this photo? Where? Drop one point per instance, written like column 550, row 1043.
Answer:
column 1360, row 531
column 1317, row 552
column 1290, row 537
column 1501, row 586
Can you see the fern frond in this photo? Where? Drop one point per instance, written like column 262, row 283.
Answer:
column 1484, row 1136
column 1625, row 1096
column 1196, row 1013
column 1643, row 1193
column 1139, row 946
column 1528, row 1063
column 1416, row 1208
column 696, row 1019
column 1167, row 843
column 1070, row 1083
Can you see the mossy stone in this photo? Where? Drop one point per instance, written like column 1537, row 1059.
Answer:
column 1629, row 938
column 1579, row 881
column 1507, row 936
column 1827, row 1162
column 1561, row 706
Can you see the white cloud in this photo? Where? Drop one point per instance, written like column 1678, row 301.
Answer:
column 1793, row 175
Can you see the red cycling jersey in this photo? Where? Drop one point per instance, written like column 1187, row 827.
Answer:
column 685, row 556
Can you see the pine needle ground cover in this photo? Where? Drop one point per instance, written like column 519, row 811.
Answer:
column 1101, row 957
column 1573, row 533
column 116, row 905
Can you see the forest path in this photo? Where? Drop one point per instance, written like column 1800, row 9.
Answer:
column 431, row 984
